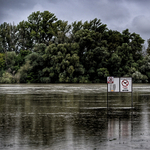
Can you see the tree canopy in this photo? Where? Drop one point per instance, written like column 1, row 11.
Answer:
column 44, row 49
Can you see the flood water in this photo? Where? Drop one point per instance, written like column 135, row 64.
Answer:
column 73, row 117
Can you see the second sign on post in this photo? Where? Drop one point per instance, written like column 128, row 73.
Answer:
column 125, row 84
column 116, row 84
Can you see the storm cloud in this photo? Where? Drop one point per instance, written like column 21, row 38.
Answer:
column 117, row 14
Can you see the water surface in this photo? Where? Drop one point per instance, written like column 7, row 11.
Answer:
column 73, row 117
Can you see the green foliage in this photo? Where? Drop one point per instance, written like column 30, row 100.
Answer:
column 44, row 49
column 2, row 60
column 62, row 62
column 24, row 36
column 7, row 78
column 40, row 48
column 103, row 73
column 30, row 72
column 62, row 30
column 148, row 48
column 43, row 26
column 11, row 60
column 23, row 72
column 138, row 77
column 145, row 67
column 8, row 38
column 84, row 79
column 45, row 80
column 20, row 59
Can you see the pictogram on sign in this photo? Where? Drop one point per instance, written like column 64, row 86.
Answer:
column 119, row 84
column 125, row 83
column 110, row 80
column 113, row 87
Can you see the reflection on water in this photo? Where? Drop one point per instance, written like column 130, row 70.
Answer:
column 72, row 117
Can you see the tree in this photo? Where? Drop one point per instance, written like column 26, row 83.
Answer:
column 7, row 78
column 25, row 41
column 95, row 25
column 124, row 52
column 62, row 35
column 76, row 26
column 2, row 60
column 20, row 59
column 40, row 48
column 148, row 48
column 2, row 63
column 138, row 77
column 103, row 73
column 43, row 26
column 31, row 71
column 11, row 60
column 114, row 65
column 63, row 63
column 8, row 39
column 136, row 46
column 45, row 49
column 114, row 39
column 91, row 51
column 145, row 67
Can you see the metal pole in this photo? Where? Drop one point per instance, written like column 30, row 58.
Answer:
column 132, row 96
column 132, row 100
column 119, row 129
column 107, row 98
column 132, row 115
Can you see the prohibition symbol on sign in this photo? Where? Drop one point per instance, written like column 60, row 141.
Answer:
column 110, row 79
column 125, row 83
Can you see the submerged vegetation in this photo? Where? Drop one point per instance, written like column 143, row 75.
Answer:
column 47, row 50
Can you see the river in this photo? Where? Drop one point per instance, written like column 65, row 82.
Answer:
column 73, row 117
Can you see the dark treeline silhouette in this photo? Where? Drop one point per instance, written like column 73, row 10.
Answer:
column 47, row 50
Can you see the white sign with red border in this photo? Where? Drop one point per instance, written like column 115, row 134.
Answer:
column 110, row 80
column 113, row 87
column 125, row 84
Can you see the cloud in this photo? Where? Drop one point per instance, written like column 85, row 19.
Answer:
column 14, row 11
column 141, row 24
column 117, row 14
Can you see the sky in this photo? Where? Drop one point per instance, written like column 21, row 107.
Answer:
column 116, row 14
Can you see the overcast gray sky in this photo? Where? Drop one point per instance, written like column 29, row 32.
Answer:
column 117, row 14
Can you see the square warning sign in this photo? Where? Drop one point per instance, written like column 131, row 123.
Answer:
column 113, row 86
column 125, row 84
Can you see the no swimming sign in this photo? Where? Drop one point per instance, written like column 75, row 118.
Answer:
column 125, row 84
column 119, row 84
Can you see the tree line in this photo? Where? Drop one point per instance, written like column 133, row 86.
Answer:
column 44, row 49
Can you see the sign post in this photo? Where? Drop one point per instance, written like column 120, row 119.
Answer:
column 114, row 86
column 119, row 84
column 125, row 84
